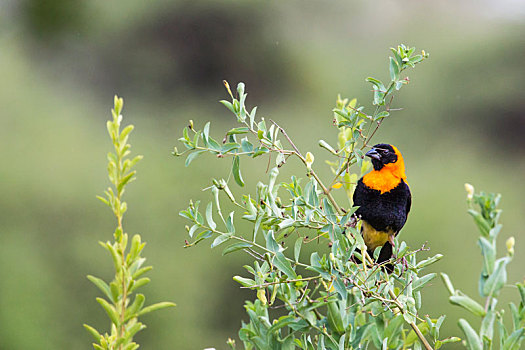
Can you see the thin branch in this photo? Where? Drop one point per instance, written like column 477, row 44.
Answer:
column 412, row 324
column 287, row 137
column 264, row 285
column 312, row 172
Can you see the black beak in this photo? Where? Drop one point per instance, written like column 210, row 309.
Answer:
column 373, row 154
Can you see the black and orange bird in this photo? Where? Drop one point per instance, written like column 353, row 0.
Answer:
column 384, row 200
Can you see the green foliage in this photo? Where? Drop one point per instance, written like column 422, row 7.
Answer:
column 493, row 277
column 331, row 301
column 121, row 303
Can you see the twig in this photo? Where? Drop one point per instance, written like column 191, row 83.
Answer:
column 287, row 137
column 312, row 172
column 254, row 255
column 281, row 282
column 412, row 324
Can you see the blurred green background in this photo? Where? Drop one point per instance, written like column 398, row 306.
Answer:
column 61, row 62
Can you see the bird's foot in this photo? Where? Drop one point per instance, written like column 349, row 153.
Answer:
column 404, row 263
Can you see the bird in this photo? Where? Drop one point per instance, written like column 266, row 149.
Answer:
column 384, row 200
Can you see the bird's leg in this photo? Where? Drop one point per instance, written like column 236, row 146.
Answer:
column 403, row 260
column 393, row 244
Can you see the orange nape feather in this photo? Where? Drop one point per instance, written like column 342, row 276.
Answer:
column 388, row 177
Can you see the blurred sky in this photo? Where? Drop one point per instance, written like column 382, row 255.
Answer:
column 61, row 62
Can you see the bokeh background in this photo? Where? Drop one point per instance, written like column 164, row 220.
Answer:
column 61, row 62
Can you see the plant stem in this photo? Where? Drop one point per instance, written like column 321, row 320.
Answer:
column 412, row 324
column 298, row 153
column 283, row 282
column 121, row 330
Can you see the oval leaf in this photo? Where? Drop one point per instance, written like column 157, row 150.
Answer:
column 468, row 304
column 235, row 247
column 237, row 172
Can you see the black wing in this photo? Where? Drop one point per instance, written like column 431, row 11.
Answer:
column 409, row 200
column 359, row 193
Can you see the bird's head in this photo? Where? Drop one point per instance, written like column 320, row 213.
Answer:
column 386, row 157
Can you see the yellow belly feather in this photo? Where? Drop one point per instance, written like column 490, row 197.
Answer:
column 372, row 237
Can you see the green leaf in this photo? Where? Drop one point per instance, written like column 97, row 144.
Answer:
column 139, row 283
column 487, row 325
column 131, row 331
column 206, row 133
column 228, row 105
column 209, row 216
column 141, row 271
column 483, row 225
column 377, row 83
column 340, row 288
column 488, row 250
column 297, row 248
column 326, row 146
column 246, row 282
column 235, row 247
column 473, row 340
column 214, row 145
column 421, row 281
column 155, row 307
column 237, row 172
column 342, row 342
column 103, row 286
column 281, row 322
column 124, row 133
column 136, row 249
column 230, row 146
column 131, row 346
column 115, row 290
column 271, row 244
column 521, row 289
column 259, row 151
column 514, row 340
column 192, row 230
column 246, row 146
column 398, row 58
column 256, row 226
column 394, row 327
column 329, row 211
column 96, row 335
column 134, row 308
column 236, row 131
column 219, row 240
column 204, row 234
column 412, row 336
column 110, row 311
column 497, row 279
column 439, row 343
column 448, row 283
column 286, row 223
column 192, row 156
column 516, row 318
column 381, row 115
column 229, row 224
column 284, row 265
column 104, row 200
column 468, row 304
column 394, row 70
column 252, row 116
column 360, row 334
column 334, row 318
column 429, row 261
